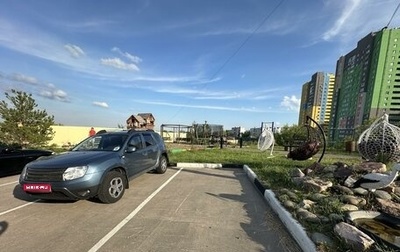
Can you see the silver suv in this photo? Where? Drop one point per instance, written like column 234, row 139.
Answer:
column 100, row 166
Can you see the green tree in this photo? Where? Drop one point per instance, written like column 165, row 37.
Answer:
column 290, row 134
column 22, row 123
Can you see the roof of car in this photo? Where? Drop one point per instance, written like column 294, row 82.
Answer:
column 123, row 131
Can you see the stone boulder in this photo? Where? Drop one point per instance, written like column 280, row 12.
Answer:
column 357, row 239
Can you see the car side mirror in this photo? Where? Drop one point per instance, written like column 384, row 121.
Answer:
column 130, row 149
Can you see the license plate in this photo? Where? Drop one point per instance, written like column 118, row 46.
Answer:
column 37, row 188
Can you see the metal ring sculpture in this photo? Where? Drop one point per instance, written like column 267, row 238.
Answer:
column 380, row 142
column 315, row 139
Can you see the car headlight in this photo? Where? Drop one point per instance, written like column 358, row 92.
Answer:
column 23, row 173
column 74, row 172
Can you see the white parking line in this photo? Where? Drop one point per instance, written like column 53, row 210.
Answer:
column 10, row 183
column 110, row 234
column 18, row 207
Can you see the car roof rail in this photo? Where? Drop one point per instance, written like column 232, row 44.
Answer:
column 140, row 129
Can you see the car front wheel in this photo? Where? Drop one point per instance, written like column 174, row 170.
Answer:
column 112, row 188
column 162, row 165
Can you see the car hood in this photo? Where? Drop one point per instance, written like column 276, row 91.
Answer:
column 72, row 158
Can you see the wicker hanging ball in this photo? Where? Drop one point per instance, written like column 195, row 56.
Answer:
column 380, row 142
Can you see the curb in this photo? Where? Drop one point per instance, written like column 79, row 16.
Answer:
column 293, row 226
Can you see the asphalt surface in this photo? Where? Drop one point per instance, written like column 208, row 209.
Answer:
column 185, row 209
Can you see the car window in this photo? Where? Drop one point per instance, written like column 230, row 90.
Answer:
column 108, row 142
column 136, row 141
column 112, row 142
column 148, row 139
column 157, row 137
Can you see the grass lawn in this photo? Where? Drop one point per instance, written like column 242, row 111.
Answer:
column 274, row 170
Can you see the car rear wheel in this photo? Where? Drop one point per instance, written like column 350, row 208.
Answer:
column 112, row 188
column 162, row 165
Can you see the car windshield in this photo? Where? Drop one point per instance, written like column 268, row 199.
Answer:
column 106, row 142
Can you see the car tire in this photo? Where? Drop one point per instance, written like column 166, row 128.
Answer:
column 162, row 165
column 112, row 188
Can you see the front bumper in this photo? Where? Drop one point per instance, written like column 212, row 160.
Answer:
column 82, row 188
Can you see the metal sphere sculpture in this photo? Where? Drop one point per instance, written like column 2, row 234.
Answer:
column 380, row 142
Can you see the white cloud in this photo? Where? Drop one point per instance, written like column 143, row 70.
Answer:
column 255, row 110
column 291, row 103
column 134, row 59
column 346, row 14
column 24, row 79
column 74, row 50
column 100, row 104
column 54, row 94
column 118, row 63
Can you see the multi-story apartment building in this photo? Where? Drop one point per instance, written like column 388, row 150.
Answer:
column 316, row 99
column 367, row 83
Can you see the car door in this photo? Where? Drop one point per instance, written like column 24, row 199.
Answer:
column 151, row 150
column 12, row 161
column 135, row 159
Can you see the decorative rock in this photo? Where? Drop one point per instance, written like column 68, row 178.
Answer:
column 368, row 167
column 320, row 239
column 349, row 181
column 389, row 189
column 292, row 196
column 360, row 191
column 330, row 168
column 343, row 189
column 316, row 184
column 397, row 190
column 348, row 207
column 283, row 191
column 382, row 195
column 306, row 204
column 389, row 207
column 353, row 200
column 317, row 196
column 343, row 172
column 283, row 197
column 353, row 236
column 395, row 197
column 307, row 215
column 289, row 204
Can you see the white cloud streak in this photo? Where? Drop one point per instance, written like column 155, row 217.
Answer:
column 120, row 64
column 134, row 59
column 54, row 94
column 100, row 104
column 349, row 8
column 243, row 109
column 74, row 50
column 24, row 79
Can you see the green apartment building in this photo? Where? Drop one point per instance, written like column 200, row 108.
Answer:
column 367, row 84
column 316, row 99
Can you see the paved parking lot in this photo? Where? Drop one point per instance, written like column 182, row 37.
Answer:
column 185, row 209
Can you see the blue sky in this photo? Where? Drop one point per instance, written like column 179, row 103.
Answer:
column 228, row 62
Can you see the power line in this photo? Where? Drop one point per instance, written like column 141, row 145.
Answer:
column 268, row 15
column 394, row 13
column 248, row 38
